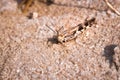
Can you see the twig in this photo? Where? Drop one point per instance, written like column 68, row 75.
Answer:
column 112, row 8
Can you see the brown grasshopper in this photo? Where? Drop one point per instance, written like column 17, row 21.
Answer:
column 70, row 34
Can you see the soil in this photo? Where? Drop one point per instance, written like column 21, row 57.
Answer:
column 27, row 54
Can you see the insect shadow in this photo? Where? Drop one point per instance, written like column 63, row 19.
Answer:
column 54, row 39
column 109, row 55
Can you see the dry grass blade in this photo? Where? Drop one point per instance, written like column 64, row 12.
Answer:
column 112, row 8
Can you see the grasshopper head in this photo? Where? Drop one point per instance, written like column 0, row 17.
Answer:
column 61, row 38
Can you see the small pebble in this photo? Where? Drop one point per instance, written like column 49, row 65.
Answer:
column 33, row 15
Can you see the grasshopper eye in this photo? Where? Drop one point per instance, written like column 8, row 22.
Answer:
column 64, row 41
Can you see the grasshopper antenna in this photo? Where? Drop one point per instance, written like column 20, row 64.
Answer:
column 52, row 29
column 60, row 28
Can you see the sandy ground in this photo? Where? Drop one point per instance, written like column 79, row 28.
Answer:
column 26, row 53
